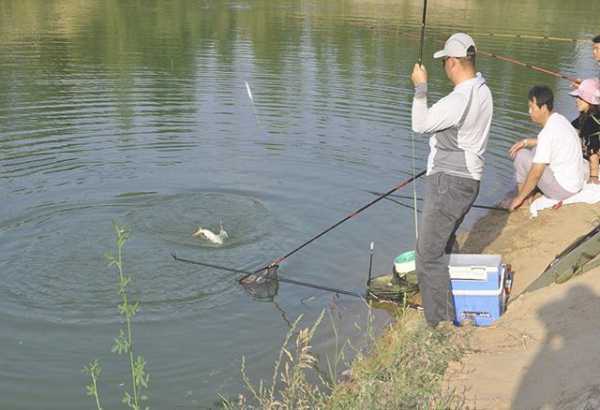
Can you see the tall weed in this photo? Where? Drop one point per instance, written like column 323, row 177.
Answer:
column 124, row 342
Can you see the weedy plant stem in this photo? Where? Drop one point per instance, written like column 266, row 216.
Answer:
column 124, row 342
column 93, row 370
column 124, row 308
column 339, row 355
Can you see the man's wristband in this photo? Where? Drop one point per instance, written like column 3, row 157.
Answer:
column 421, row 90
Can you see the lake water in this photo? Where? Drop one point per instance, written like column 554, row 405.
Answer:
column 138, row 112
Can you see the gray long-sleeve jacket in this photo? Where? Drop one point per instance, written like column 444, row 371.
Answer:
column 460, row 123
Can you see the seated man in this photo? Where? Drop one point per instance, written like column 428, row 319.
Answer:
column 554, row 161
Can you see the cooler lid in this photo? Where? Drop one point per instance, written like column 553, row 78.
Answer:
column 473, row 266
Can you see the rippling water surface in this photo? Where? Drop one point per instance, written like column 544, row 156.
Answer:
column 138, row 112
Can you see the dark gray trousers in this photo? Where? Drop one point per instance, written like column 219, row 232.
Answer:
column 447, row 200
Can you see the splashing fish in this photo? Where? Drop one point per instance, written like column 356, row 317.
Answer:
column 217, row 239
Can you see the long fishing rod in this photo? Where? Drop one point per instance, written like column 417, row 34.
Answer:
column 491, row 208
column 352, row 214
column 519, row 36
column 412, row 135
column 402, row 204
column 523, row 64
column 285, row 280
column 529, row 37
column 531, row 66
column 443, row 30
column 423, row 21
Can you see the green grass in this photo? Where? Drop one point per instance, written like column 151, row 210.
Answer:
column 403, row 369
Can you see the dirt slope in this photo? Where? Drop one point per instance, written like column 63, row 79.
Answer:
column 544, row 353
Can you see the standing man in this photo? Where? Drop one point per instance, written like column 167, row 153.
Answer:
column 459, row 125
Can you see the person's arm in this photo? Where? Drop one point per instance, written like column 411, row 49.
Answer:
column 442, row 115
column 525, row 143
column 594, row 168
column 591, row 139
column 533, row 177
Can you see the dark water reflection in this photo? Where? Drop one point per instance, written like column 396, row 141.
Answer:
column 138, row 112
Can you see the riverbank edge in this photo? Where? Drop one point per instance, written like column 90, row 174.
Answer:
column 405, row 368
column 494, row 233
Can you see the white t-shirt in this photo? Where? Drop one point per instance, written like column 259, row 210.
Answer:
column 558, row 145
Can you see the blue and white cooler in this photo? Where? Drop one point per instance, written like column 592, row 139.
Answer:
column 478, row 287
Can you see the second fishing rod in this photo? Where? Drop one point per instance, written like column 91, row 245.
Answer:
column 515, row 61
column 277, row 261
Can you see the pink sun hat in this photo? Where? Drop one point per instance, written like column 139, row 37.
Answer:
column 588, row 91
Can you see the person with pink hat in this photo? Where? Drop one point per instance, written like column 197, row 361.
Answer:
column 588, row 122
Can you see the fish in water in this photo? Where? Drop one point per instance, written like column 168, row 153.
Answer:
column 215, row 238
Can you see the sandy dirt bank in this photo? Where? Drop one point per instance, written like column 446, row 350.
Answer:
column 544, row 353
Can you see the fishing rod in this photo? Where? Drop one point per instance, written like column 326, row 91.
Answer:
column 531, row 66
column 285, row 280
column 412, row 135
column 402, row 204
column 352, row 214
column 443, row 30
column 423, row 21
column 529, row 37
column 491, row 208
column 521, row 63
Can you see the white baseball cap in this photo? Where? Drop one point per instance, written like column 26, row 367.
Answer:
column 456, row 46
